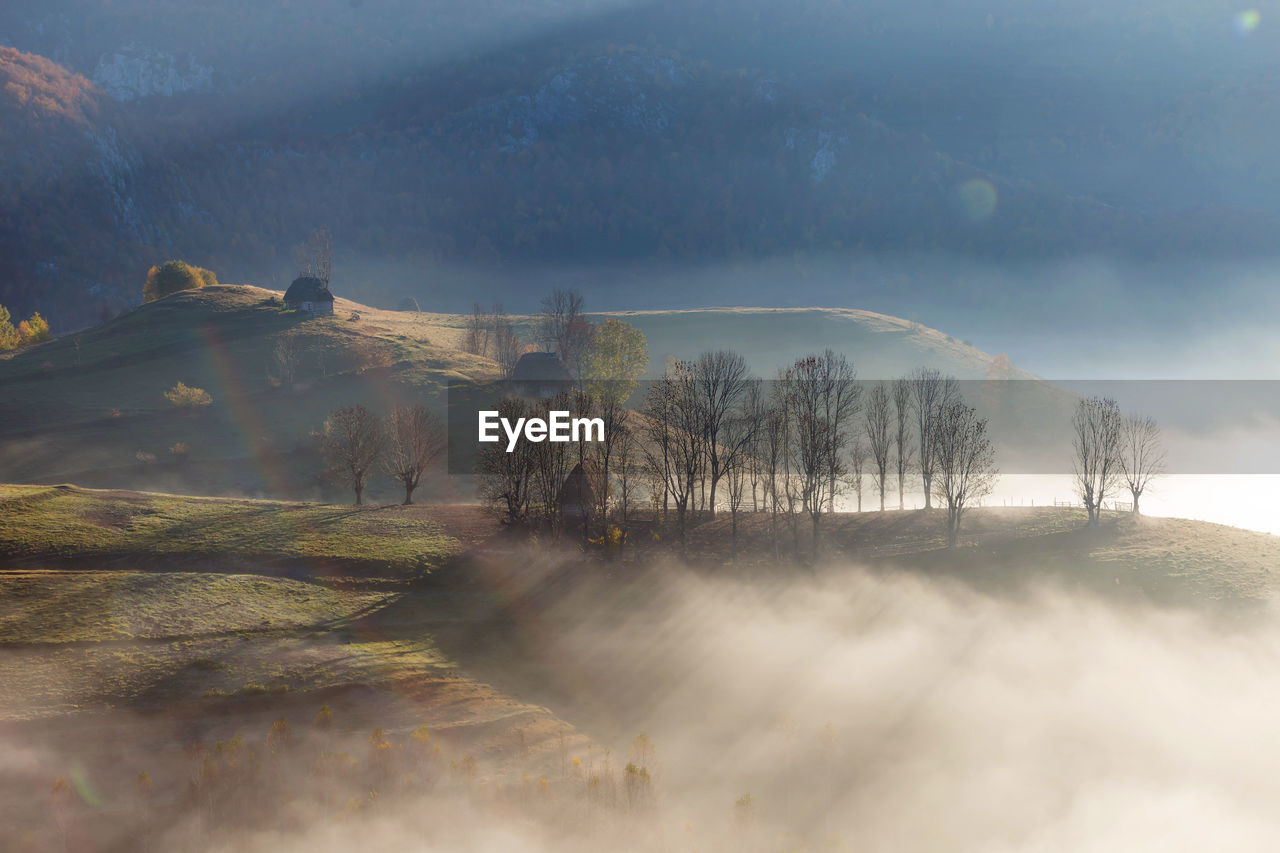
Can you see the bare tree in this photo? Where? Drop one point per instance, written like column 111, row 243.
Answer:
column 549, row 463
column 415, row 441
column 841, row 398
column 559, row 312
column 657, row 439
column 506, row 479
column 754, row 401
column 877, row 426
column 490, row 333
column 1142, row 456
column 353, row 441
column 562, row 328
column 675, row 448
column 902, row 435
column 792, row 485
column 739, row 438
column 576, row 349
column 314, row 256
column 286, row 357
column 931, row 392
column 477, row 330
column 506, row 345
column 625, row 466
column 966, row 463
column 719, row 379
column 773, row 444
column 1096, row 428
column 823, row 399
column 858, row 458
column 608, row 407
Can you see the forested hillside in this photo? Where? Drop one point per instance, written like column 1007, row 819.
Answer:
column 545, row 139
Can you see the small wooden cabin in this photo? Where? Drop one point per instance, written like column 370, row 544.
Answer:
column 310, row 295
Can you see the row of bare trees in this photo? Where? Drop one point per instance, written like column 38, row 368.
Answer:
column 796, row 447
column 1111, row 450
column 404, row 446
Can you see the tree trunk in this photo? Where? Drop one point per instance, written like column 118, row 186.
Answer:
column 408, row 494
column 733, row 515
column 928, row 496
column 773, row 533
column 359, row 495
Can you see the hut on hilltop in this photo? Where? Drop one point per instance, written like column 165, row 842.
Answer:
column 310, row 295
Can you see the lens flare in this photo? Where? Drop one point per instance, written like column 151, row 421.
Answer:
column 80, row 781
column 977, row 199
column 1247, row 21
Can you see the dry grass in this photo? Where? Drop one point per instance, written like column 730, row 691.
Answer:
column 1005, row 548
column 44, row 522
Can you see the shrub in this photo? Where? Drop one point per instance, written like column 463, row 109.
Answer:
column 186, row 397
column 175, row 277
column 8, row 334
column 279, row 736
column 33, row 330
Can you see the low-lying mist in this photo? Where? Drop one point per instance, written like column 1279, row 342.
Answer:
column 842, row 709
column 892, row 712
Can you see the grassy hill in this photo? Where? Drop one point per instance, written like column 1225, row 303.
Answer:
column 147, row 530
column 90, row 409
column 144, row 633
